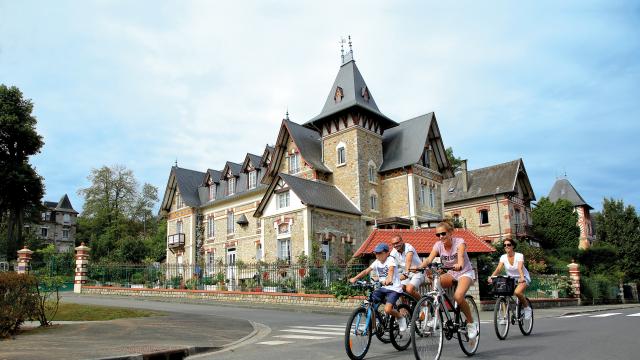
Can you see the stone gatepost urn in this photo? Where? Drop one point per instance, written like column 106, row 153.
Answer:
column 82, row 266
column 574, row 275
column 24, row 259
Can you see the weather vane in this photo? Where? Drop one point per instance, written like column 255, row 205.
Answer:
column 349, row 55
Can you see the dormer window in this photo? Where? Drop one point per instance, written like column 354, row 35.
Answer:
column 341, row 154
column 231, row 185
column 282, row 200
column 66, row 218
column 179, row 201
column 253, row 179
column 294, row 168
column 212, row 191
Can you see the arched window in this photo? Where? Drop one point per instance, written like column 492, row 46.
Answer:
column 372, row 172
column 373, row 200
column 341, row 154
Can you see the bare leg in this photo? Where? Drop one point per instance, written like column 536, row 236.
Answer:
column 464, row 283
column 519, row 293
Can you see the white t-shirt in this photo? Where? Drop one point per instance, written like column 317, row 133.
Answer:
column 512, row 270
column 402, row 257
column 383, row 270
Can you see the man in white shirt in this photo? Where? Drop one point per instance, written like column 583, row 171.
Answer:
column 407, row 257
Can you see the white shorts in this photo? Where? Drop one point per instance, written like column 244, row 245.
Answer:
column 470, row 274
column 415, row 279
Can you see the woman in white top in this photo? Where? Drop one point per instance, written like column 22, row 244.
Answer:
column 513, row 263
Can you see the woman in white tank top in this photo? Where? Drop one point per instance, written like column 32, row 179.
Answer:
column 513, row 263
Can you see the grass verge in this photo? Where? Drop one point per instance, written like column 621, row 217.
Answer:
column 80, row 312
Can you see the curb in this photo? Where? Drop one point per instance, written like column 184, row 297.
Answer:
column 259, row 332
column 587, row 311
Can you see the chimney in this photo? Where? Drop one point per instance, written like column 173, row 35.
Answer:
column 464, row 176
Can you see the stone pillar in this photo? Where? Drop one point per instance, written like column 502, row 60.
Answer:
column 574, row 275
column 82, row 263
column 24, row 258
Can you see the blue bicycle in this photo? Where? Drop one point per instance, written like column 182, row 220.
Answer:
column 369, row 319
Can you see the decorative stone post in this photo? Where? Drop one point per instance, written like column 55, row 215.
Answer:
column 24, row 258
column 574, row 275
column 82, row 263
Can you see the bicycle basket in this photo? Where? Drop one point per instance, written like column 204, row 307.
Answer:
column 503, row 286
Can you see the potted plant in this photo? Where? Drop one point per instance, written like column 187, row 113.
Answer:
column 219, row 280
column 302, row 261
column 137, row 281
column 208, row 282
column 269, row 285
column 289, row 285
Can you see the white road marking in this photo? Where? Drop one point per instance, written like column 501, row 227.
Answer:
column 301, row 331
column 319, row 328
column 636, row 314
column 569, row 316
column 274, row 342
column 305, row 337
column 341, row 326
column 486, row 321
column 605, row 315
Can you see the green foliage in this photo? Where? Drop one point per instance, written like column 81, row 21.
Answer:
column 48, row 298
column 598, row 287
column 21, row 188
column 619, row 227
column 314, row 281
column 555, row 224
column 18, row 301
column 343, row 290
column 454, row 161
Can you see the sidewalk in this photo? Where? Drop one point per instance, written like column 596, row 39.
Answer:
column 179, row 333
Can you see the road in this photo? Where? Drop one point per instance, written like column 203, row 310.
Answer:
column 288, row 334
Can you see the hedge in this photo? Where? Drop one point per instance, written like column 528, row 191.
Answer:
column 18, row 300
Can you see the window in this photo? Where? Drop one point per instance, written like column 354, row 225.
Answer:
column 282, row 200
column 65, row 233
column 293, row 164
column 179, row 202
column 44, row 216
column 210, row 266
column 259, row 252
column 210, row 227
column 423, row 194
column 517, row 217
column 342, row 155
column 179, row 227
column 231, row 185
column 230, row 223
column 373, row 199
column 284, row 228
column 372, row 173
column 212, row 191
column 44, row 232
column 432, row 197
column 66, row 218
column 253, row 179
column 425, row 160
column 284, row 249
column 484, row 217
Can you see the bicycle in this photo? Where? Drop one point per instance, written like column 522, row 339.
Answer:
column 432, row 322
column 369, row 318
column 504, row 313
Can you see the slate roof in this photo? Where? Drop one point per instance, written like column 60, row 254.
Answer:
column 215, row 175
column 65, row 204
column 319, row 194
column 491, row 180
column 422, row 240
column 255, row 159
column 50, row 204
column 403, row 145
column 309, row 144
column 188, row 182
column 352, row 84
column 234, row 167
column 562, row 189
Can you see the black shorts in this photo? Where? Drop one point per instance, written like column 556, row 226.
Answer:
column 382, row 294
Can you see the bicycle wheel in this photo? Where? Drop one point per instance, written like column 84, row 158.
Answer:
column 357, row 335
column 382, row 328
column 401, row 339
column 501, row 317
column 526, row 325
column 427, row 336
column 469, row 346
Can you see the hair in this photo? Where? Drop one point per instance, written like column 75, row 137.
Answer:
column 447, row 223
column 397, row 236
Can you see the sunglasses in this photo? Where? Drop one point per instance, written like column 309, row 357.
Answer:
column 441, row 234
column 508, row 245
column 397, row 244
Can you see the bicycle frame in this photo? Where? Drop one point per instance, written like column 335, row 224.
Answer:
column 441, row 300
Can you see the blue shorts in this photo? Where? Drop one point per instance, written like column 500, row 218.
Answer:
column 382, row 294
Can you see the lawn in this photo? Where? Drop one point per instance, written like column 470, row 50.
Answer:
column 79, row 312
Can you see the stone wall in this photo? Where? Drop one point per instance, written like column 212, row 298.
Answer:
column 296, row 234
column 352, row 232
column 470, row 211
column 345, row 176
column 395, row 196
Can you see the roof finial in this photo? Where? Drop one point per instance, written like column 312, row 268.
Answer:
column 350, row 48
column 176, row 162
column 286, row 116
column 342, row 41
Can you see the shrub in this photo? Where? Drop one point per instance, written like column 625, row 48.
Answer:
column 18, row 301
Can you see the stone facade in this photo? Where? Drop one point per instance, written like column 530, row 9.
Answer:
column 58, row 225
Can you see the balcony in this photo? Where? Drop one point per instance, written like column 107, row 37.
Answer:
column 175, row 240
column 523, row 231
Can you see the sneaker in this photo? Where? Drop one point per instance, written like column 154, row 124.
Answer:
column 402, row 324
column 527, row 313
column 472, row 330
column 502, row 321
column 422, row 315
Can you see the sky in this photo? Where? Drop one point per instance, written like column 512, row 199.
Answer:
column 145, row 83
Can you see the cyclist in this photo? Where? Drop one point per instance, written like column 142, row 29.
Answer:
column 453, row 254
column 513, row 263
column 405, row 254
column 388, row 274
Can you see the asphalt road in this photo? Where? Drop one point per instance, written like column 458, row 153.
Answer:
column 291, row 334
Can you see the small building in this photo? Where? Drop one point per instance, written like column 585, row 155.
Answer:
column 494, row 202
column 423, row 240
column 562, row 189
column 58, row 224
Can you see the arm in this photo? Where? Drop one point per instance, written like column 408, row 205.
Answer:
column 428, row 260
column 462, row 248
column 360, row 274
column 496, row 271
column 389, row 279
column 521, row 271
column 408, row 261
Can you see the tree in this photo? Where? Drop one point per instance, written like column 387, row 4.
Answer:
column 21, row 187
column 619, row 226
column 454, row 161
column 555, row 224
